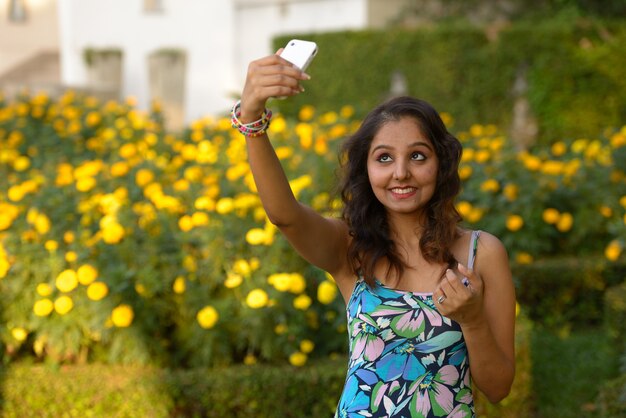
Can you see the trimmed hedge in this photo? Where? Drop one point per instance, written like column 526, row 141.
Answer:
column 260, row 391
column 573, row 67
column 566, row 291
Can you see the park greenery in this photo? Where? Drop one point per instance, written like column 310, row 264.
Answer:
column 121, row 243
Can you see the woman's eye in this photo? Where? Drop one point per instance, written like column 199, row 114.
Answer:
column 417, row 156
column 384, row 158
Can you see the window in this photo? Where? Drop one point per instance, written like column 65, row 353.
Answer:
column 152, row 6
column 17, row 11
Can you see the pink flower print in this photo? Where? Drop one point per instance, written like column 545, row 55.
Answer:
column 432, row 392
column 367, row 343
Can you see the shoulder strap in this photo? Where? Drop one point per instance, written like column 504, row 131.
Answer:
column 473, row 247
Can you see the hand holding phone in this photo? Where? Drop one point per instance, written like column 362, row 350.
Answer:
column 299, row 52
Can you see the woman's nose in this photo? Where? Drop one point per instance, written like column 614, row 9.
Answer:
column 401, row 171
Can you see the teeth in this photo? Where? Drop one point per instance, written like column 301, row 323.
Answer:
column 403, row 191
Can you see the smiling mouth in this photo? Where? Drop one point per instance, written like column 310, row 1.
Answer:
column 403, row 190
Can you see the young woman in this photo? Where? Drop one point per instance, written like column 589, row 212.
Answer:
column 429, row 304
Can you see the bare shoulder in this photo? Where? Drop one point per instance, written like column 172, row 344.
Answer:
column 490, row 247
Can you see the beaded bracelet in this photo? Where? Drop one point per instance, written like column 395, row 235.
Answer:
column 252, row 129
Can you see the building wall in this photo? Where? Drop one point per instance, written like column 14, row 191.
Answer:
column 203, row 29
column 20, row 41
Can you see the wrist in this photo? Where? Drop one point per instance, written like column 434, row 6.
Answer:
column 247, row 125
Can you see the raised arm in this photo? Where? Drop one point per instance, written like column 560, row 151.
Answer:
column 321, row 241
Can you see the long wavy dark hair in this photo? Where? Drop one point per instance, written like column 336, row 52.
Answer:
column 366, row 217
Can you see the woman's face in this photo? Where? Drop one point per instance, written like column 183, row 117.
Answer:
column 402, row 166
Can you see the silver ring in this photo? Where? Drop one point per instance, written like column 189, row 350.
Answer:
column 440, row 299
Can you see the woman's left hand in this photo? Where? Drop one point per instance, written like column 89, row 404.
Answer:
column 460, row 302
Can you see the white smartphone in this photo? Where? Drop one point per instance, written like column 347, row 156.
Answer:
column 299, row 52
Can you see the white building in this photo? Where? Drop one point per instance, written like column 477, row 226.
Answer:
column 215, row 38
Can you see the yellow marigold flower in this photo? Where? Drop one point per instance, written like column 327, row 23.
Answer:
column 189, row 263
column 19, row 333
column 42, row 224
column 482, row 156
column 71, row 256
column 524, row 258
column 468, row 155
column 565, row 222
column 233, row 280
column 306, row 346
column 44, row 289
column 257, row 298
column 225, row 205
column 200, row 219
column 446, row 119
column 298, row 359
column 622, row 201
column 181, row 185
column 300, row 183
column 514, row 222
column 112, row 233
column 326, row 292
column 67, row 281
column 249, row 360
column 92, row 119
column 22, row 163
column 86, row 274
column 51, row 245
column 241, row 266
column 551, row 216
column 297, row 283
column 613, row 250
column 85, row 184
column 475, row 215
column 302, row 302
column 97, row 291
column 280, row 281
column 465, row 171
column 127, row 151
column 280, row 329
column 4, row 267
column 143, row 177
column 256, row 236
column 552, row 168
column 606, row 211
column 558, row 148
column 476, row 130
column 278, row 125
column 617, row 140
column 122, row 316
column 490, row 185
column 16, row 193
column 305, row 133
column 63, row 304
column 511, row 192
column 306, row 113
column 141, row 289
column 185, row 223
column 531, row 162
column 579, row 145
column 346, row 111
column 179, row 286
column 119, row 169
column 189, row 152
column 43, row 307
column 204, row 203
column 207, row 317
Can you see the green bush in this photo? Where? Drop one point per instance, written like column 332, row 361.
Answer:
column 572, row 65
column 611, row 401
column 122, row 243
column 567, row 291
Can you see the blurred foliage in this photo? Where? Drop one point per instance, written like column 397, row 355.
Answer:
column 573, row 66
column 120, row 242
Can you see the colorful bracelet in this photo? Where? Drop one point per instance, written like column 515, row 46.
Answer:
column 252, row 129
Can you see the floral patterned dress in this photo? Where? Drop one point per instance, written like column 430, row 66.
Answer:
column 406, row 359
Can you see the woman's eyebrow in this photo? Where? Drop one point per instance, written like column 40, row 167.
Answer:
column 414, row 144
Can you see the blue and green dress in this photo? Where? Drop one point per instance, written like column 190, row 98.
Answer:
column 406, row 359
